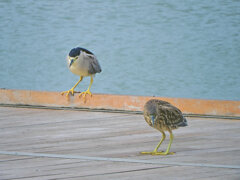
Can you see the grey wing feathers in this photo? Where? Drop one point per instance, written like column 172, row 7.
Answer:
column 94, row 66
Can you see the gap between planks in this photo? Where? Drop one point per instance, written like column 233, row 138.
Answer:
column 91, row 158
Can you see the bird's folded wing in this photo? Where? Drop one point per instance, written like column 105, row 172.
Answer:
column 94, row 66
column 171, row 115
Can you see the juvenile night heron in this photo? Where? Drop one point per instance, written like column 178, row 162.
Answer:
column 163, row 116
column 83, row 63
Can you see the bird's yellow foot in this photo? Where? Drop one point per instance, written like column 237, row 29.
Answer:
column 83, row 94
column 163, row 153
column 158, row 153
column 71, row 91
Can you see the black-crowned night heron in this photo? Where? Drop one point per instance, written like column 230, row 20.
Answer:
column 83, row 63
column 163, row 116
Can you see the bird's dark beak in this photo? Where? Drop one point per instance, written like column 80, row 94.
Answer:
column 72, row 61
column 152, row 119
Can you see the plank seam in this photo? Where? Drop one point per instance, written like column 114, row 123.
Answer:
column 111, row 111
column 91, row 158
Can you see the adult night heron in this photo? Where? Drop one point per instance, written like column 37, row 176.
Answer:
column 163, row 116
column 83, row 63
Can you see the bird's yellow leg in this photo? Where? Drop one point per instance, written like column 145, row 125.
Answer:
column 168, row 148
column 88, row 90
column 156, row 149
column 72, row 89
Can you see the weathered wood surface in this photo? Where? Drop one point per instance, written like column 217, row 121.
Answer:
column 97, row 135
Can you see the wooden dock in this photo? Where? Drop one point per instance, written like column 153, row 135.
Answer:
column 65, row 144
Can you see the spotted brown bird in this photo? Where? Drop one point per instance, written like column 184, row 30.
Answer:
column 163, row 116
column 82, row 62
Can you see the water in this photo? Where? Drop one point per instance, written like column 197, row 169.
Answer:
column 154, row 48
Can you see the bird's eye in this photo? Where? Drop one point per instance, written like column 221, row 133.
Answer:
column 76, row 57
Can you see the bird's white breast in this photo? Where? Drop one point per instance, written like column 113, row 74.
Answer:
column 80, row 66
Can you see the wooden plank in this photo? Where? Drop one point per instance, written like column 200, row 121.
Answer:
column 113, row 135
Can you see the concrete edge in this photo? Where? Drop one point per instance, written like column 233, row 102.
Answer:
column 116, row 102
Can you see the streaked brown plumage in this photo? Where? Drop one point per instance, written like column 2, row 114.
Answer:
column 163, row 116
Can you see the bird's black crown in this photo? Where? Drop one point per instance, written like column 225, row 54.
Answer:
column 76, row 51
